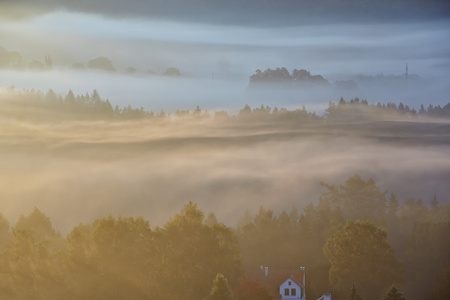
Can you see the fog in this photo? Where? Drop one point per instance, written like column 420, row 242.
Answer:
column 78, row 171
column 216, row 60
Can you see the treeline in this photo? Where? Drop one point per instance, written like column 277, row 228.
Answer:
column 355, row 236
column 117, row 258
column 32, row 104
column 361, row 109
column 282, row 76
column 13, row 60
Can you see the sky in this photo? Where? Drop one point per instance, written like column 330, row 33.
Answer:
column 222, row 50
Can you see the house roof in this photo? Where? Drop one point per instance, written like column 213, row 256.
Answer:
column 274, row 279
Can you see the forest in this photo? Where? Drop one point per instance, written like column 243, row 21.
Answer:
column 116, row 171
column 355, row 235
column 35, row 104
column 225, row 150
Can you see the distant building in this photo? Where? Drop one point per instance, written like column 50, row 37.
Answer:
column 283, row 284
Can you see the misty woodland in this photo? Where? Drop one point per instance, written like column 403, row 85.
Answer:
column 354, row 240
column 356, row 235
column 225, row 150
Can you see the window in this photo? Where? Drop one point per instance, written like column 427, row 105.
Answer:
column 289, row 283
column 293, row 292
column 286, row 292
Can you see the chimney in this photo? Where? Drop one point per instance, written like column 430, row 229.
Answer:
column 304, row 281
column 266, row 271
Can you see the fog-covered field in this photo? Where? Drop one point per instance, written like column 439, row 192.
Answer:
column 81, row 170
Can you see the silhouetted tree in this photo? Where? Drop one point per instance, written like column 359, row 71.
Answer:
column 174, row 72
column 393, row 294
column 101, row 63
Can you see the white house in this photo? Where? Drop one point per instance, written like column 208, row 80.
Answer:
column 283, row 284
column 290, row 289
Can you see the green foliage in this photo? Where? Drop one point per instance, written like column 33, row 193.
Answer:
column 290, row 240
column 427, row 252
column 122, row 257
column 358, row 199
column 117, row 258
column 36, row 105
column 220, row 289
column 441, row 285
column 271, row 240
column 360, row 253
column 192, row 253
column 109, row 258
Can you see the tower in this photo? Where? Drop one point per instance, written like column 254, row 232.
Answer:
column 406, row 71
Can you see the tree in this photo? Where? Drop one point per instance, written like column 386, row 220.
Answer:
column 110, row 258
column 32, row 260
column 354, row 295
column 39, row 225
column 174, row 72
column 441, row 286
column 426, row 252
column 220, row 289
column 5, row 235
column 251, row 290
column 393, row 294
column 211, row 219
column 192, row 253
column 101, row 63
column 78, row 66
column 359, row 199
column 360, row 253
column 130, row 70
column 10, row 59
column 36, row 65
column 48, row 61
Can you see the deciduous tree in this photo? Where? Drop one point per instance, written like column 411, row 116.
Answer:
column 220, row 289
column 360, row 254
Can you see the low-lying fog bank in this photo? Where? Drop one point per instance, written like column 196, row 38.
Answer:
column 222, row 92
column 81, row 170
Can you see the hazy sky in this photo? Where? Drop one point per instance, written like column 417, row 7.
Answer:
column 225, row 48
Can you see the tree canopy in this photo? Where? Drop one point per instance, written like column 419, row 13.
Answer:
column 220, row 289
column 360, row 253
